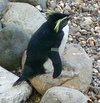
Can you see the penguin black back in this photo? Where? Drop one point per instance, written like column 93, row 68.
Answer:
column 45, row 44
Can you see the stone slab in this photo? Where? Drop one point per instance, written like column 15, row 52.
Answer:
column 9, row 94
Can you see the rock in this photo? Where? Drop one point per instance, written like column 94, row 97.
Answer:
column 95, row 71
column 66, row 9
column 13, row 42
column 83, row 32
column 61, row 4
column 98, row 49
column 81, row 39
column 97, row 29
column 78, row 34
column 85, row 9
column 98, row 17
column 77, row 72
column 95, row 12
column 88, row 21
column 75, row 25
column 73, row 30
column 90, row 7
column 9, row 94
column 64, row 0
column 23, row 14
column 35, row 2
column 52, row 5
column 92, row 31
column 74, row 40
column 58, row 9
column 70, row 39
column 78, row 1
column 91, row 41
column 63, row 95
column 38, row 2
column 3, row 3
column 83, row 42
column 39, row 7
column 84, row 26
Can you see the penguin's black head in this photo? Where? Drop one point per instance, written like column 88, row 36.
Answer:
column 57, row 21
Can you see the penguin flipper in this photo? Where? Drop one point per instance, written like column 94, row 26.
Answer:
column 55, row 57
column 18, row 81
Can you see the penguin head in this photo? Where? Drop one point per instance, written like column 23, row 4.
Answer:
column 57, row 21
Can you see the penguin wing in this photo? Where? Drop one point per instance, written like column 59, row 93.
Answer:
column 55, row 57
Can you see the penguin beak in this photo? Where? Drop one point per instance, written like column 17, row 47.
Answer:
column 71, row 14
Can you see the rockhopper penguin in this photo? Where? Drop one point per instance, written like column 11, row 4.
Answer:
column 46, row 45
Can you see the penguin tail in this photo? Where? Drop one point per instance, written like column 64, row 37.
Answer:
column 18, row 81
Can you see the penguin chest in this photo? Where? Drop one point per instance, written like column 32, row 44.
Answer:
column 64, row 40
column 48, row 64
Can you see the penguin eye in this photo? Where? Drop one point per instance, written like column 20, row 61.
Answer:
column 56, row 28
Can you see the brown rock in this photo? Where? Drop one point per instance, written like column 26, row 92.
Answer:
column 83, row 42
column 77, row 72
column 58, row 9
column 91, row 41
column 88, row 21
column 78, row 1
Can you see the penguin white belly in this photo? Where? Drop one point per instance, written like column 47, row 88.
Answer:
column 48, row 64
column 64, row 40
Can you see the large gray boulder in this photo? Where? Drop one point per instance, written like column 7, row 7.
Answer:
column 76, row 73
column 23, row 14
column 63, row 95
column 13, row 42
column 75, row 60
column 35, row 2
column 9, row 94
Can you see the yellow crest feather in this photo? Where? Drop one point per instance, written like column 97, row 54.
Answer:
column 58, row 23
column 50, row 12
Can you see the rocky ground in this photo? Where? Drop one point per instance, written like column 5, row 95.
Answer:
column 86, row 24
column 85, row 31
